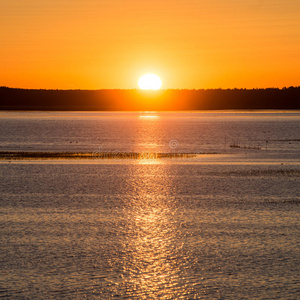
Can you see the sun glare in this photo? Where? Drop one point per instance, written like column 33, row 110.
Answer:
column 150, row 82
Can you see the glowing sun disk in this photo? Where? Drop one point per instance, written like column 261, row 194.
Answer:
column 150, row 82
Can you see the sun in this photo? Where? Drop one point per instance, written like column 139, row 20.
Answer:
column 150, row 82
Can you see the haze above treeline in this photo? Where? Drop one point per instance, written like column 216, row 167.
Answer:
column 137, row 100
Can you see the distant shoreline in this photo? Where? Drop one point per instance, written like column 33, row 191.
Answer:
column 139, row 100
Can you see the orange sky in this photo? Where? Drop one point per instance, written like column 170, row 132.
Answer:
column 95, row 44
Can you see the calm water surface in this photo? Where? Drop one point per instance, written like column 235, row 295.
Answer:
column 224, row 225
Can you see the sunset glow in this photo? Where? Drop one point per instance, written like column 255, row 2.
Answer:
column 109, row 44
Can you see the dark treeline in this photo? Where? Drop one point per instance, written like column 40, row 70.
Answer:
column 136, row 100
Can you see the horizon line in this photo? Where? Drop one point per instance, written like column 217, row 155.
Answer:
column 151, row 91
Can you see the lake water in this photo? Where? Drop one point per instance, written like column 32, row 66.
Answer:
column 221, row 225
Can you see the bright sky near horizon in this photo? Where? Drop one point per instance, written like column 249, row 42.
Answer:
column 92, row 44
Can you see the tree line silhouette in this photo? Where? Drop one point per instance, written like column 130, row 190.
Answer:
column 137, row 100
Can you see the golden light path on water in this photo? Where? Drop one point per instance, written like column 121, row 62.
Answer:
column 154, row 249
column 153, row 266
column 147, row 139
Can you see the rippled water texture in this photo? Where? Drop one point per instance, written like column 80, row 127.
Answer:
column 158, row 132
column 219, row 226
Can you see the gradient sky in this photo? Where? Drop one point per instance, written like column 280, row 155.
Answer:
column 95, row 44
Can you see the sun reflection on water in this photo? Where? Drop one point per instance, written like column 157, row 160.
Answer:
column 147, row 138
column 152, row 238
column 149, row 117
column 152, row 260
